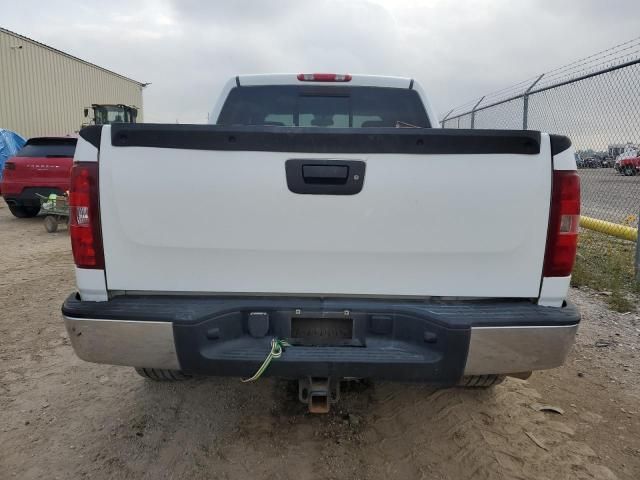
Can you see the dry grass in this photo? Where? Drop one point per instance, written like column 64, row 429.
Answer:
column 606, row 264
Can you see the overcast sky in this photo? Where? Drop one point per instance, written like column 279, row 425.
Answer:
column 457, row 49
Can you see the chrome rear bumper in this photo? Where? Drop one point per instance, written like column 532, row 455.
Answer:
column 518, row 349
column 492, row 350
column 123, row 342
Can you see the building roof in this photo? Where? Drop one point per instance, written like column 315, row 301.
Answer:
column 60, row 52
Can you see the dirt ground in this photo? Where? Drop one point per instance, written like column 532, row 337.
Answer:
column 63, row 418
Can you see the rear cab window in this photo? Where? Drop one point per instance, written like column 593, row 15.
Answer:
column 318, row 106
column 48, row 147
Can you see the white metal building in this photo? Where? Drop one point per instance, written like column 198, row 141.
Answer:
column 44, row 91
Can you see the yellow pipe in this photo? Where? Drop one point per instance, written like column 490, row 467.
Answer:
column 613, row 229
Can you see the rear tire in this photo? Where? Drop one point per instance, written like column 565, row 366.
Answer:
column 50, row 223
column 21, row 211
column 481, row 381
column 629, row 171
column 162, row 375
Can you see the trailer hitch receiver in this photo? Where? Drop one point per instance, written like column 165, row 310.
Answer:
column 318, row 393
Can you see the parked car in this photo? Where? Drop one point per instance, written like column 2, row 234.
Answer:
column 320, row 219
column 607, row 161
column 592, row 162
column 627, row 154
column 628, row 166
column 42, row 166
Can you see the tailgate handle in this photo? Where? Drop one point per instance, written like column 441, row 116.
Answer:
column 326, row 174
column 325, row 177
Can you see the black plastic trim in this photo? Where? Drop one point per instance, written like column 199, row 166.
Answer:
column 299, row 182
column 401, row 340
column 29, row 195
column 411, row 84
column 327, row 140
column 559, row 143
column 92, row 134
column 185, row 309
column 237, row 81
column 400, row 355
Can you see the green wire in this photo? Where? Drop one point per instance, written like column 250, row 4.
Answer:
column 277, row 347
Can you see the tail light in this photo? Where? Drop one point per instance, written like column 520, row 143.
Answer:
column 7, row 170
column 84, row 216
column 323, row 77
column 564, row 218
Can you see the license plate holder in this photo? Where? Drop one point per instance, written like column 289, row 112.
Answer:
column 323, row 331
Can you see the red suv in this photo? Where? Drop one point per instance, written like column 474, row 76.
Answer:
column 43, row 166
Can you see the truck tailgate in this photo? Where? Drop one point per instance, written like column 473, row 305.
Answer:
column 200, row 209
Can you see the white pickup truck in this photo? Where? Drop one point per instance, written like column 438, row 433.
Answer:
column 332, row 212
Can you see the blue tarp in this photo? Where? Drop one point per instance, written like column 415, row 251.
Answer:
column 10, row 143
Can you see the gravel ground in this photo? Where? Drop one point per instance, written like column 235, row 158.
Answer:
column 64, row 418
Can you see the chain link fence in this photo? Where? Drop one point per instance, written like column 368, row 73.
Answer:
column 594, row 101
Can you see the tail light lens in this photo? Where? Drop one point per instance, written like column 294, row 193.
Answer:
column 84, row 216
column 7, row 170
column 323, row 77
column 564, row 218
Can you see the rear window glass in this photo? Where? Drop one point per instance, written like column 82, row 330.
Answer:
column 48, row 147
column 313, row 106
